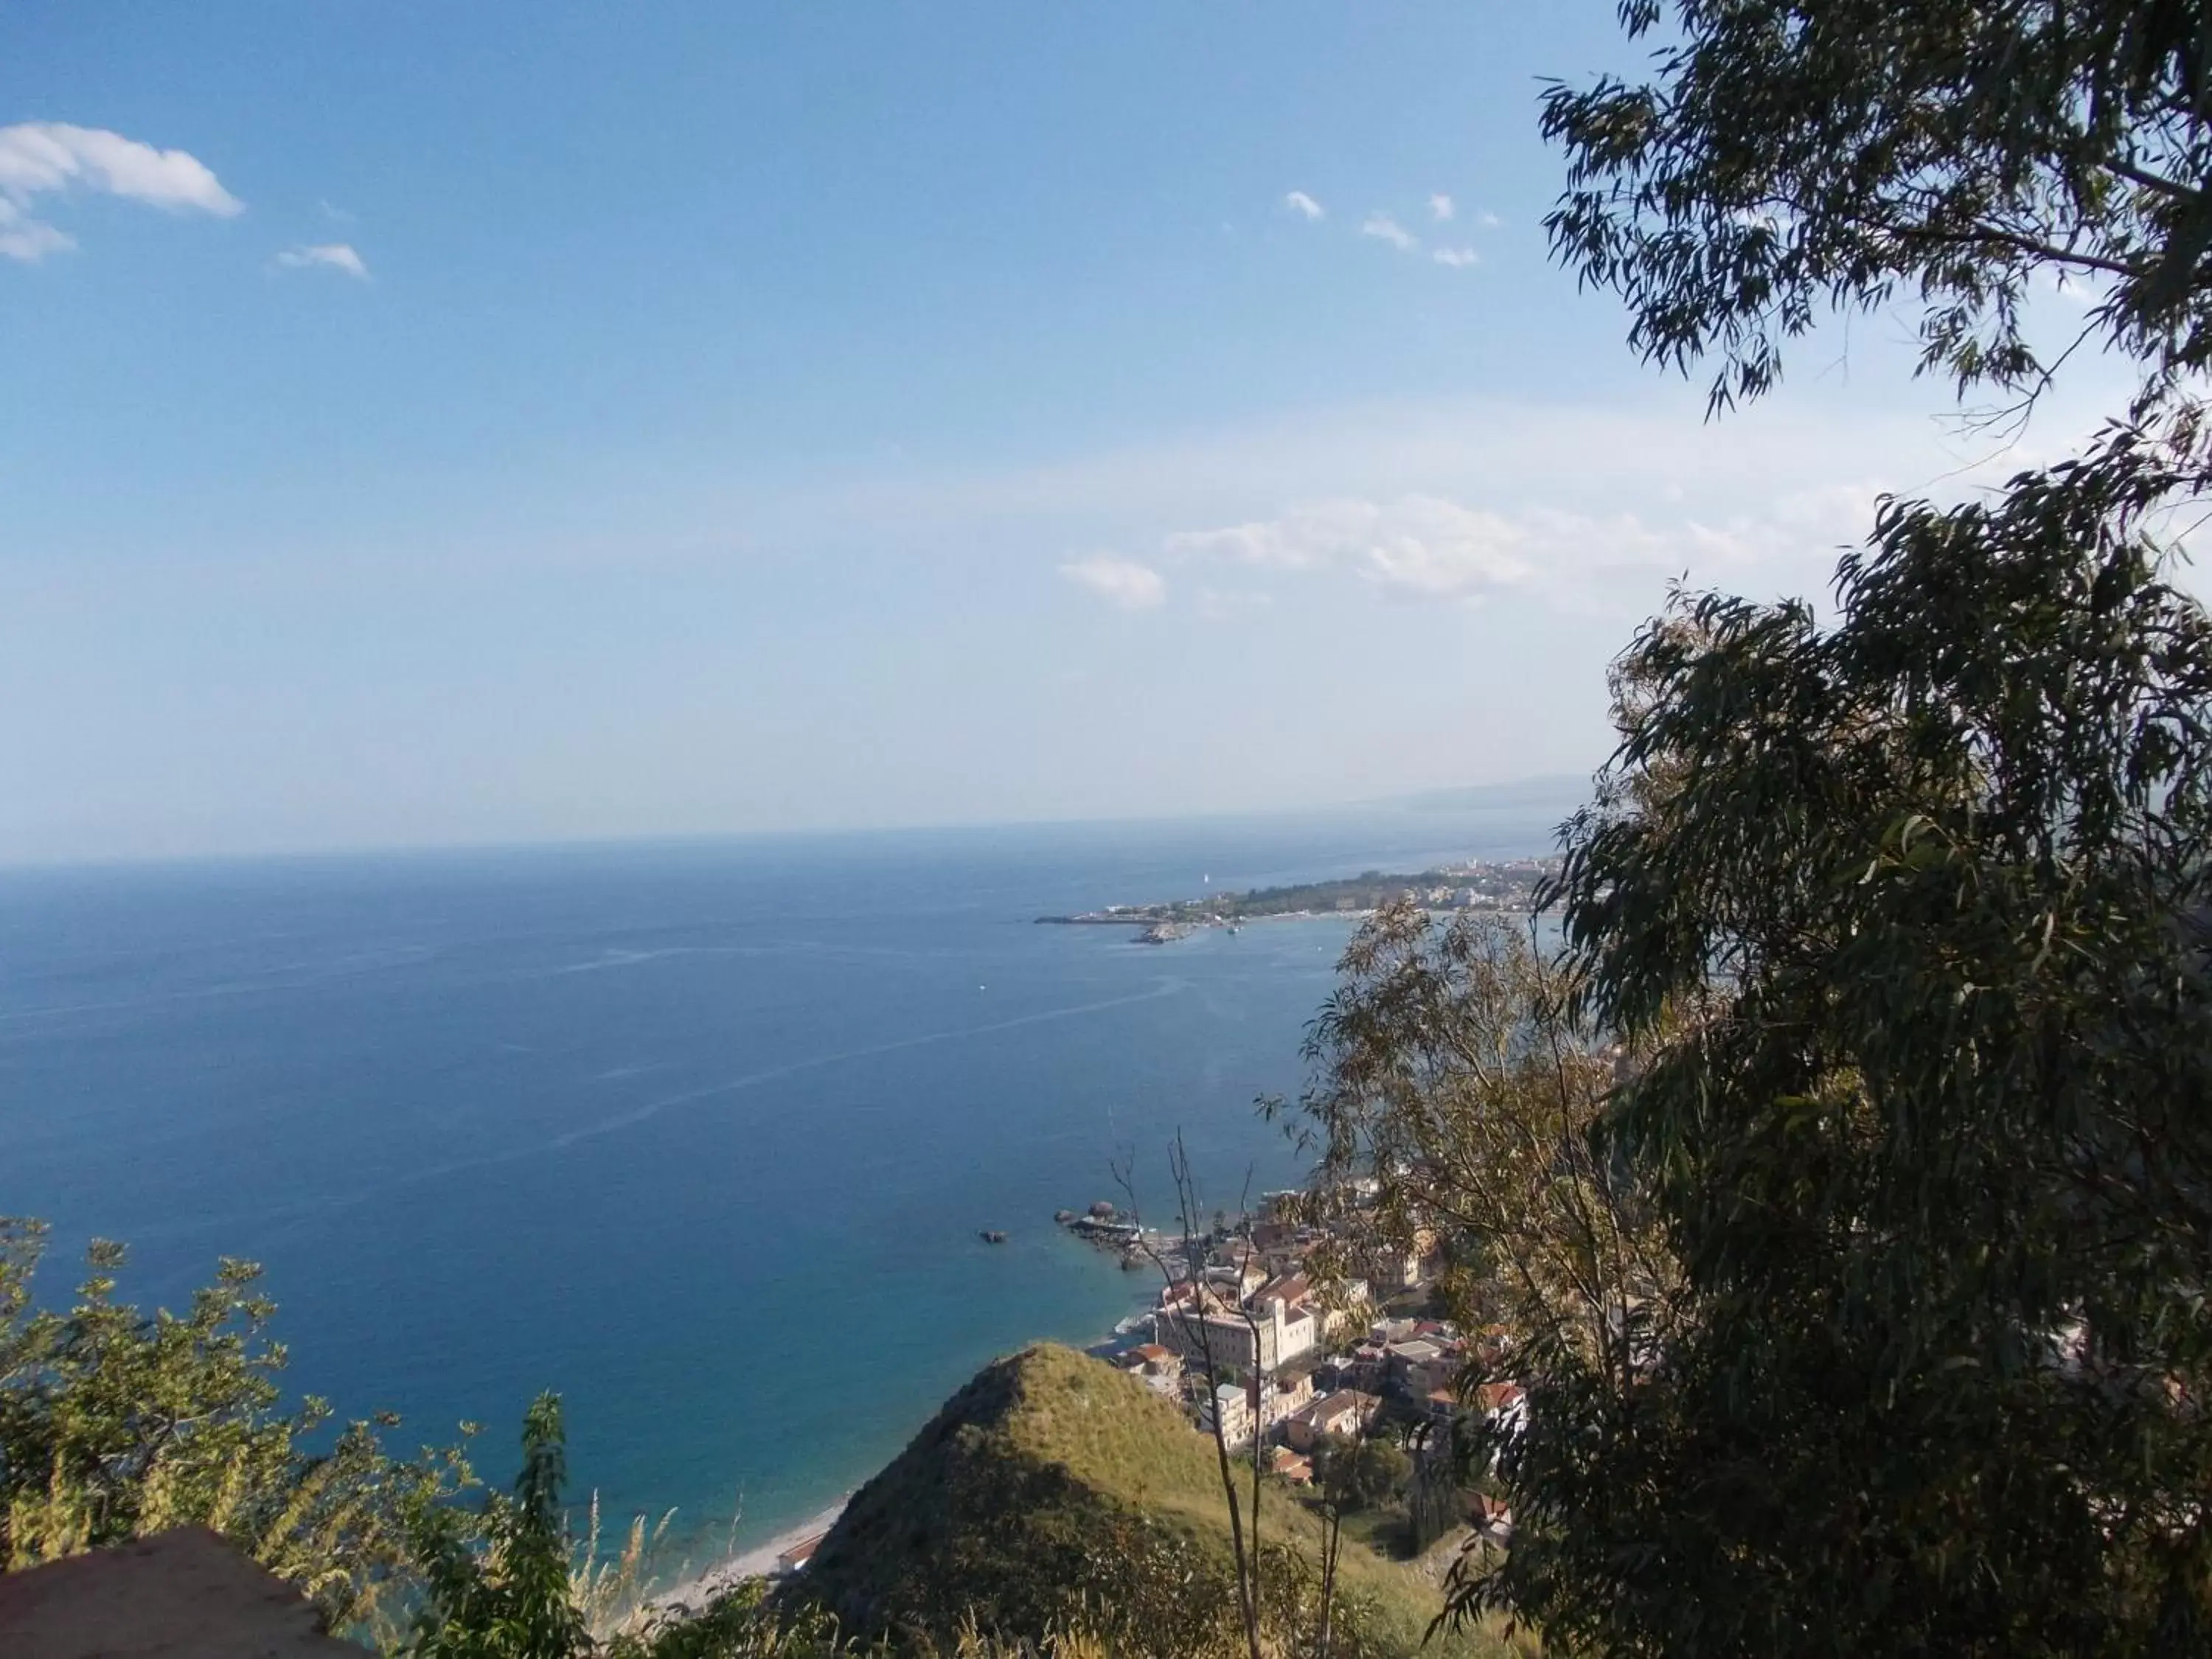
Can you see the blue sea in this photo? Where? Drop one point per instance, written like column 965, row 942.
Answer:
column 700, row 1134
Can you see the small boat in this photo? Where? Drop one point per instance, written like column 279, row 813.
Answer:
column 993, row 1236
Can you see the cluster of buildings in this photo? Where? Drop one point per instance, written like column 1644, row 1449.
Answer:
column 1508, row 885
column 1292, row 1371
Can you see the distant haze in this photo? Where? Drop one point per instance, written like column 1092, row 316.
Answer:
column 509, row 423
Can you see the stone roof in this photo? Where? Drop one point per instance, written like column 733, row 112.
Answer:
column 180, row 1594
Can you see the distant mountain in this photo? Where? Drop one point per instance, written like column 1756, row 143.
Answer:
column 1054, row 1490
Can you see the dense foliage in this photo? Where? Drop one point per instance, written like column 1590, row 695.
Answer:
column 1361, row 1474
column 1787, row 156
column 1457, row 1087
column 1842, row 1197
column 1935, row 1154
column 114, row 1424
column 496, row 1586
column 1902, row 921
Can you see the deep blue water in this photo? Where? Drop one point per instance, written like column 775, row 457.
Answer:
column 700, row 1134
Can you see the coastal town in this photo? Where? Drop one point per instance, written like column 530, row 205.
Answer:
column 1505, row 886
column 1245, row 1334
column 1302, row 1366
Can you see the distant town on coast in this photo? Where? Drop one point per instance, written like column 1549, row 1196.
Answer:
column 1288, row 1357
column 1508, row 886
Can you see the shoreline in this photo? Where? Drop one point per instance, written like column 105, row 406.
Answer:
column 696, row 1593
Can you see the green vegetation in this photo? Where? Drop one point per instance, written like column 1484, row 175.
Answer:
column 1906, row 917
column 496, row 1586
column 1841, row 1197
column 1789, row 156
column 1456, row 1088
column 1867, row 1305
column 115, row 1426
column 1054, row 1504
column 1054, row 1491
column 1364, row 1473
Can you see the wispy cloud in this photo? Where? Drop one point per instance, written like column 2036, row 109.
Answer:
column 1458, row 258
column 53, row 158
column 327, row 256
column 1441, row 209
column 1299, row 203
column 1421, row 544
column 1384, row 229
column 1488, row 220
column 1432, row 547
column 27, row 239
column 1122, row 583
column 1605, row 501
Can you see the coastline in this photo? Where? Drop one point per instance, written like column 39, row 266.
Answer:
column 699, row 1591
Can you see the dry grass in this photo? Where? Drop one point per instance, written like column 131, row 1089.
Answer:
column 1046, row 1462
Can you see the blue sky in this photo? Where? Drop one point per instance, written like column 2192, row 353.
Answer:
column 429, row 424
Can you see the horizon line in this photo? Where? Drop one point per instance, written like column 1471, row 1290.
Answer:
column 1440, row 799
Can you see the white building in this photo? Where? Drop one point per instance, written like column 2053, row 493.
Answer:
column 1233, row 1407
column 1252, row 1341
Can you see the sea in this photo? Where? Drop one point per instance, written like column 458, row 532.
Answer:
column 702, row 1134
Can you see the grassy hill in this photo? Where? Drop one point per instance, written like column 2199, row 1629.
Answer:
column 1051, row 1492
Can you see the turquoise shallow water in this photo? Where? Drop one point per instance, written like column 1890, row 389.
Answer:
column 700, row 1134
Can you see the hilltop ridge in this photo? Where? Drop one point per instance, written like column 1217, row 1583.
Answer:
column 1053, row 1488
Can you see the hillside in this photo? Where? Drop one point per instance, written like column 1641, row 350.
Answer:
column 1052, row 1483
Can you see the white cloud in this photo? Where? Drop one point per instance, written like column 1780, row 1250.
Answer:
column 27, row 239
column 1431, row 547
column 52, row 156
column 1458, row 258
column 1758, row 503
column 1440, row 207
column 1488, row 220
column 1384, row 229
column 332, row 256
column 1120, row 582
column 1421, row 544
column 45, row 158
column 1299, row 202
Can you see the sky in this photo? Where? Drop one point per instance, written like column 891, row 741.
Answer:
column 426, row 424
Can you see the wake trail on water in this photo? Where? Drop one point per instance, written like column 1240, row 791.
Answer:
column 299, row 1216
column 291, row 977
column 1166, row 987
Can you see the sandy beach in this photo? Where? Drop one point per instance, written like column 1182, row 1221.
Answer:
column 702, row 1588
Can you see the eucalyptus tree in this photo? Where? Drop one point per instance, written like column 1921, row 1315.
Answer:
column 1456, row 1086
column 1904, row 917
column 1784, row 157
